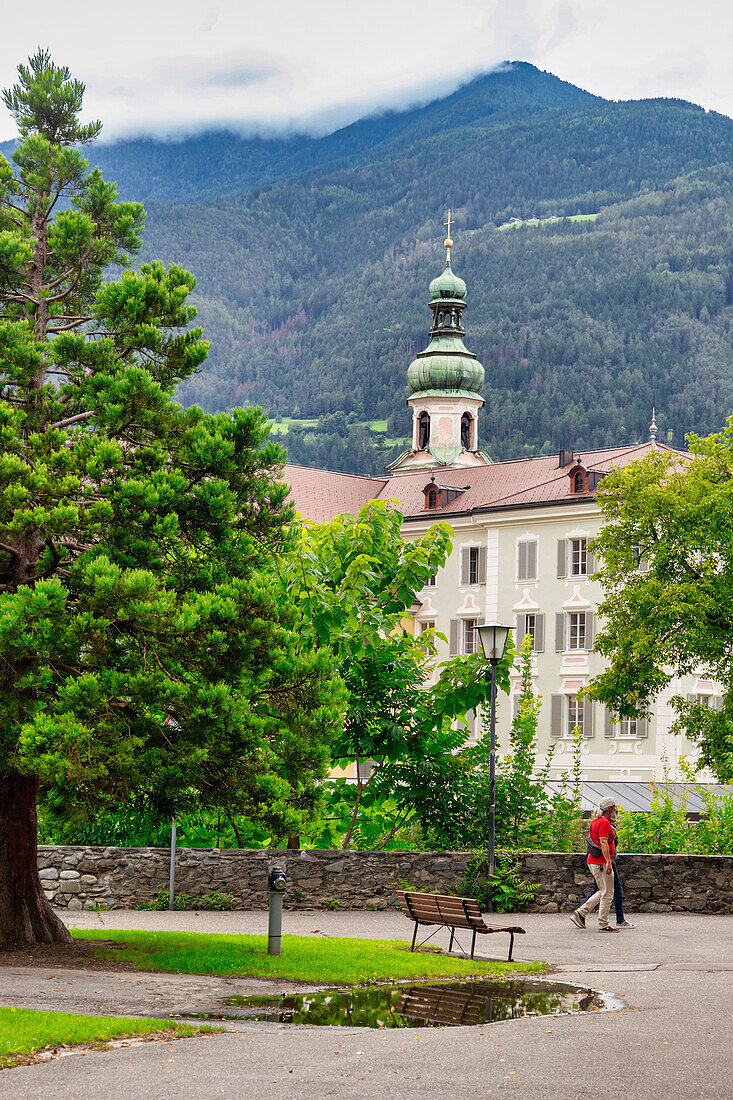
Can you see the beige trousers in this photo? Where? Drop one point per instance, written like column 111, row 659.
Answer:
column 604, row 895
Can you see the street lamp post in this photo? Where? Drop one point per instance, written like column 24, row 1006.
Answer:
column 493, row 643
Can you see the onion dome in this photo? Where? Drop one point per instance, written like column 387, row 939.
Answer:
column 448, row 285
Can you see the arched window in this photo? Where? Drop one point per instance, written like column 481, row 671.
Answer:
column 466, row 421
column 432, row 498
column 579, row 482
column 423, row 431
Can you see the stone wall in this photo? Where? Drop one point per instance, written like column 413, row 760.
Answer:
column 121, row 878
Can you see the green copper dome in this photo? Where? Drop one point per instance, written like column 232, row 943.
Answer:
column 446, row 364
column 448, row 285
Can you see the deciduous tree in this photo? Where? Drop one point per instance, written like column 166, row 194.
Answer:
column 666, row 564
column 355, row 580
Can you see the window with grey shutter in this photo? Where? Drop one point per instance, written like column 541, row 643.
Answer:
column 559, row 631
column 482, row 565
column 608, row 725
column 589, row 629
column 717, row 703
column 562, row 557
column 588, row 715
column 642, row 727
column 556, row 705
column 521, row 630
column 522, row 561
column 527, row 560
column 455, row 636
column 691, row 697
column 465, row 565
column 515, row 707
column 539, row 633
column 532, row 560
column 590, row 563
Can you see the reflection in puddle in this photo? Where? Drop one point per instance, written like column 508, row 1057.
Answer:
column 420, row 1005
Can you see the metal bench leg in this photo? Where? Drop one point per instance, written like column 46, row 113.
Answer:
column 450, row 945
column 511, row 946
column 414, row 936
column 473, row 942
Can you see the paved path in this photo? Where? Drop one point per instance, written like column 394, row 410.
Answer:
column 672, row 1040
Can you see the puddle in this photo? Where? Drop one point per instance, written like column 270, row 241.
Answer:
column 440, row 1004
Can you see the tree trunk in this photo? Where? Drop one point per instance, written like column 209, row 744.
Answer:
column 25, row 914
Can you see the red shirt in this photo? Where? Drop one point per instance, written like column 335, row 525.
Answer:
column 601, row 828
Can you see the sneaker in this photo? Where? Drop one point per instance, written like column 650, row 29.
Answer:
column 609, row 929
column 578, row 919
column 626, row 924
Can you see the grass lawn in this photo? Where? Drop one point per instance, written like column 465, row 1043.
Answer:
column 304, row 958
column 550, row 221
column 285, row 423
column 24, row 1033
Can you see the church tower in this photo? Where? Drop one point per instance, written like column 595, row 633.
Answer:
column 445, row 382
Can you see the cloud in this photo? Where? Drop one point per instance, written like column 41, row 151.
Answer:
column 293, row 66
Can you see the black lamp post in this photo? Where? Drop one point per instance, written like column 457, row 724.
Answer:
column 493, row 643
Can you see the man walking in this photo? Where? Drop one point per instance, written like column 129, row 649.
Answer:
column 601, row 850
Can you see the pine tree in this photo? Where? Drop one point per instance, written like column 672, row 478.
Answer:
column 141, row 645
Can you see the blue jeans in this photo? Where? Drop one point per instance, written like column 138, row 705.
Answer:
column 618, row 896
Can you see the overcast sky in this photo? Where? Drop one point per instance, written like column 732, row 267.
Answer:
column 164, row 67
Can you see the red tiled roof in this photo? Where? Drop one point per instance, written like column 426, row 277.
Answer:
column 524, row 482
column 320, row 495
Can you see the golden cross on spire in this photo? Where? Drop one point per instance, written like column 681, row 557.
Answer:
column 448, row 243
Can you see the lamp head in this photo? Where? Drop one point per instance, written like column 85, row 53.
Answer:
column 493, row 640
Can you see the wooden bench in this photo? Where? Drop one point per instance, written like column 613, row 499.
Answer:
column 450, row 912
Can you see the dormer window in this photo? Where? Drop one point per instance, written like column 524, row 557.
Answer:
column 584, row 481
column 578, row 480
column 438, row 496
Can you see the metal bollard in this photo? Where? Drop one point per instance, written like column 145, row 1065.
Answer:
column 276, row 883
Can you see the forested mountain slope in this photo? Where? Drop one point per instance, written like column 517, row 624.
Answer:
column 313, row 258
column 199, row 168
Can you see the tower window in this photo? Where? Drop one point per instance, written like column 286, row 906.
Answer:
column 423, row 431
column 466, row 422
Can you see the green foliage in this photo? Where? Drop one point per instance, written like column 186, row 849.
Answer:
column 137, row 824
column 142, row 646
column 214, row 901
column 666, row 565
column 666, row 828
column 354, row 581
column 526, row 815
column 503, row 892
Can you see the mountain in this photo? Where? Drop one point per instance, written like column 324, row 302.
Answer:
column 210, row 165
column 313, row 258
